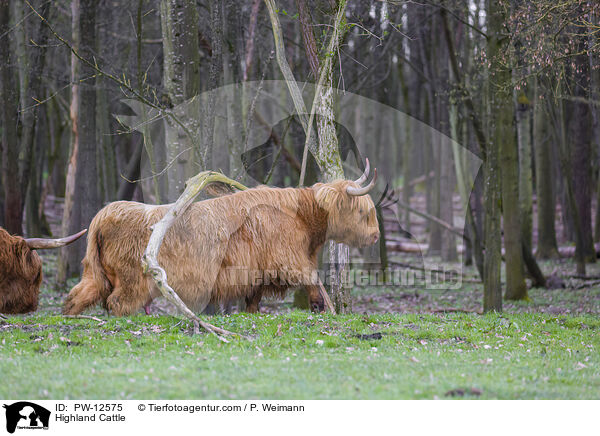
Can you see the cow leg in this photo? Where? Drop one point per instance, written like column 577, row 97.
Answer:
column 253, row 300
column 127, row 300
column 121, row 303
column 315, row 300
column 131, row 292
column 82, row 296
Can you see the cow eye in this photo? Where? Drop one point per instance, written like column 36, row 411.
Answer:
column 361, row 211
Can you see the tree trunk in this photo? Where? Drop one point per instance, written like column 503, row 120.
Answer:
column 516, row 288
column 33, row 93
column 523, row 119
column 181, row 76
column 569, row 195
column 85, row 196
column 499, row 108
column 595, row 111
column 85, row 199
column 447, row 181
column 214, row 80
column 580, row 133
column 13, row 200
column 547, row 247
column 503, row 138
column 64, row 263
column 328, row 155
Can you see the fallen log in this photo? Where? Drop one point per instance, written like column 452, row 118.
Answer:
column 434, row 219
column 569, row 251
column 406, row 247
column 413, row 247
column 416, row 181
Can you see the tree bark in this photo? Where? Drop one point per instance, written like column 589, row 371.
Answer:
column 501, row 106
column 523, row 120
column 82, row 194
column 13, row 199
column 33, row 93
column 181, row 77
column 64, row 264
column 516, row 288
column 547, row 247
column 327, row 154
column 492, row 292
column 580, row 133
column 567, row 172
column 85, row 196
column 214, row 79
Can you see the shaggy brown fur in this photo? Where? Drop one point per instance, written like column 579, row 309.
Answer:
column 20, row 275
column 218, row 246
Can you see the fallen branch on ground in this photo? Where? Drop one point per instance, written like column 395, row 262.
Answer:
column 587, row 284
column 453, row 309
column 569, row 251
column 93, row 318
column 465, row 279
column 580, row 277
column 434, row 219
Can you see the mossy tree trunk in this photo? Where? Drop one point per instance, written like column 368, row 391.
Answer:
column 516, row 288
column 500, row 110
column 327, row 154
column 502, row 138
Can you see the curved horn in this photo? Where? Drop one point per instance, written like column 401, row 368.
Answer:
column 362, row 179
column 365, row 190
column 34, row 243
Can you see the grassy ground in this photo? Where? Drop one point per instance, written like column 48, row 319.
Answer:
column 298, row 355
column 547, row 348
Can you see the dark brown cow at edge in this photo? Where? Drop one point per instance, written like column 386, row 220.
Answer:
column 21, row 270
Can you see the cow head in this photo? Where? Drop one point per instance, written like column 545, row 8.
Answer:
column 21, row 270
column 351, row 212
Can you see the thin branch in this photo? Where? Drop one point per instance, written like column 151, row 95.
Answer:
column 93, row 318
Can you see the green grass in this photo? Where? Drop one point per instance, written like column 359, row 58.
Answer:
column 545, row 348
column 302, row 356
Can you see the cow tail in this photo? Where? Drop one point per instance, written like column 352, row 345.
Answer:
column 94, row 286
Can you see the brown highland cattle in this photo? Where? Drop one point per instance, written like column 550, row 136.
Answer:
column 21, row 270
column 248, row 244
